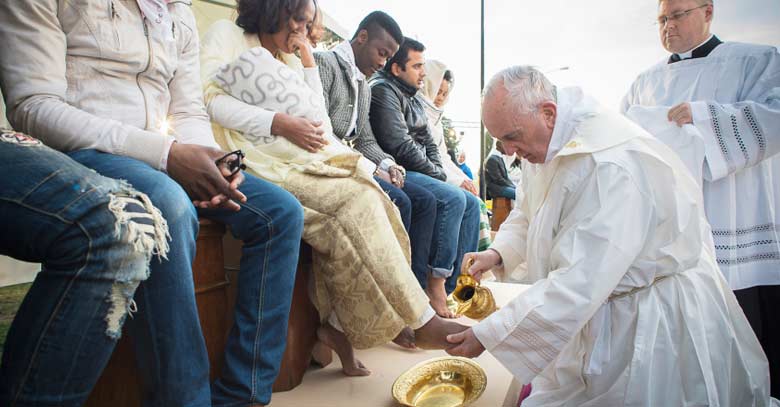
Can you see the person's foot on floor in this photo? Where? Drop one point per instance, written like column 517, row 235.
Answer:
column 433, row 335
column 438, row 297
column 322, row 354
column 335, row 339
column 405, row 339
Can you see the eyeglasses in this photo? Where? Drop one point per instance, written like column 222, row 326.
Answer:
column 662, row 20
column 231, row 162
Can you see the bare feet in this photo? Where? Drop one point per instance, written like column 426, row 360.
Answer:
column 322, row 354
column 433, row 335
column 335, row 339
column 405, row 339
column 438, row 297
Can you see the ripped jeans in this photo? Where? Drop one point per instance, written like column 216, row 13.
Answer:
column 94, row 237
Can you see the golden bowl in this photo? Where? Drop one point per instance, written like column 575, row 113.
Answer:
column 441, row 382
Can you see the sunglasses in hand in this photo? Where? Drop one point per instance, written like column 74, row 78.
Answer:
column 232, row 162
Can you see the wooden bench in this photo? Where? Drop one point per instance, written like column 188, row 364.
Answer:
column 215, row 295
column 501, row 209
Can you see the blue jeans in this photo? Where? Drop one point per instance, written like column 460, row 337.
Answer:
column 94, row 237
column 507, row 192
column 418, row 212
column 457, row 214
column 270, row 224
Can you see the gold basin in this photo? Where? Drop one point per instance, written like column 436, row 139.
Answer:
column 441, row 382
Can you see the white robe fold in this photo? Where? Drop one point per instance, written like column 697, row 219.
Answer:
column 734, row 94
column 628, row 307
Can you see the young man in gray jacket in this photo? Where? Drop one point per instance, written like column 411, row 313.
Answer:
column 344, row 72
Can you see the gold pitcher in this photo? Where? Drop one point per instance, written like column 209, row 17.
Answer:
column 474, row 301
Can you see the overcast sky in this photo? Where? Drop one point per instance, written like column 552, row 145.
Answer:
column 605, row 43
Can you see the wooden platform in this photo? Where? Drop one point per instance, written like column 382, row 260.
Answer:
column 501, row 209
column 328, row 387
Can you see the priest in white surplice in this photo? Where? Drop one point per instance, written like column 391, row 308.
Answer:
column 628, row 307
column 718, row 105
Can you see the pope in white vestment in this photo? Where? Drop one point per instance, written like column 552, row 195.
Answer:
column 628, row 307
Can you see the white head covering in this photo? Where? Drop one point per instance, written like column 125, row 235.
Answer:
column 434, row 74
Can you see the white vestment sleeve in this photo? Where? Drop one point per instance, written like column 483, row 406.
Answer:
column 687, row 141
column 603, row 226
column 739, row 135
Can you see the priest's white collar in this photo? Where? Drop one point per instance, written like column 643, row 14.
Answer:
column 689, row 53
column 573, row 107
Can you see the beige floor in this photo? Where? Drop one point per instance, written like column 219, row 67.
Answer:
column 327, row 387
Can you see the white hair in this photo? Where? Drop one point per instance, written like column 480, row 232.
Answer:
column 526, row 87
column 699, row 2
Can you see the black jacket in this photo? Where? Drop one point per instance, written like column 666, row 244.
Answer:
column 400, row 125
column 496, row 176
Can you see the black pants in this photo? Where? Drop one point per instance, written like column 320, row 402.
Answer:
column 762, row 308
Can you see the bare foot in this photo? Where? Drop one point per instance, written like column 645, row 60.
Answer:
column 438, row 297
column 322, row 354
column 405, row 338
column 433, row 335
column 335, row 339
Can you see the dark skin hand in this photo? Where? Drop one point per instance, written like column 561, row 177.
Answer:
column 192, row 166
column 396, row 176
column 302, row 132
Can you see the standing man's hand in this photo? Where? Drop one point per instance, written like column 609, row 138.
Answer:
column 397, row 175
column 681, row 114
column 474, row 264
column 469, row 186
column 193, row 167
column 465, row 344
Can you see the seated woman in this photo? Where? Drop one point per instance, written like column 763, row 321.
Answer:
column 269, row 103
column 497, row 180
column 439, row 82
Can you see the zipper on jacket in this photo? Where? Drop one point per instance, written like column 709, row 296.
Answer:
column 114, row 15
column 148, row 64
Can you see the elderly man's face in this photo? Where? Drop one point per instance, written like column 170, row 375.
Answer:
column 687, row 24
column 525, row 134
